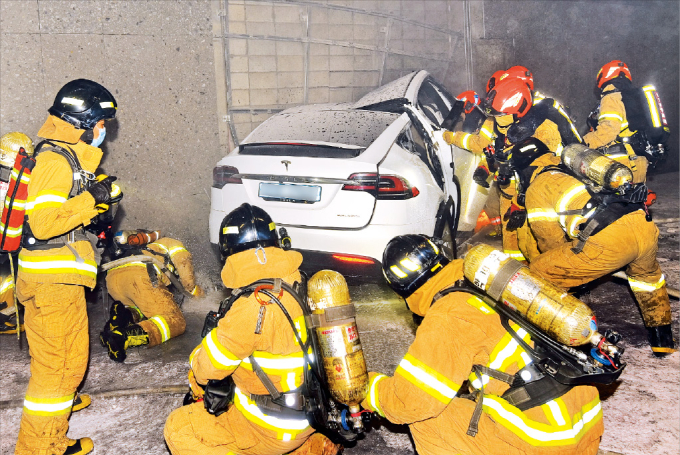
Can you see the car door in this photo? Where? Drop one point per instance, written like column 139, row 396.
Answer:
column 433, row 104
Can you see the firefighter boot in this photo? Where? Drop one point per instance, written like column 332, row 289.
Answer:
column 79, row 447
column 117, row 341
column 81, row 401
column 120, row 316
column 661, row 340
column 7, row 326
column 318, row 444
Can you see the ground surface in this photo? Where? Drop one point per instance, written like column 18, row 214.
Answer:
column 131, row 401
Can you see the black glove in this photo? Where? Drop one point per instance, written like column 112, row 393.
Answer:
column 516, row 217
column 101, row 191
column 480, row 175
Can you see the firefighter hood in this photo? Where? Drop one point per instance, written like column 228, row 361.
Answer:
column 248, row 266
column 419, row 302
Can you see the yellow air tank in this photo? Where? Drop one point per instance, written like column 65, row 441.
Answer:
column 561, row 316
column 596, row 167
column 333, row 317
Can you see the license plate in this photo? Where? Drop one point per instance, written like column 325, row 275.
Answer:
column 305, row 194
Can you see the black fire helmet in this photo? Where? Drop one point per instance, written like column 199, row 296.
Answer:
column 410, row 260
column 244, row 228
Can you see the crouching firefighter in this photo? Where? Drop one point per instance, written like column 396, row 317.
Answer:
column 592, row 201
column 254, row 360
column 144, row 311
column 513, row 405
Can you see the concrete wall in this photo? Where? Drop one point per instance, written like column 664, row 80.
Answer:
column 157, row 59
column 565, row 43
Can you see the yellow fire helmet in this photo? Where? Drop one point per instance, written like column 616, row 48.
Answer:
column 10, row 144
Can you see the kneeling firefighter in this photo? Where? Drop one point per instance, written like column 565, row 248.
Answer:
column 525, row 387
column 144, row 310
column 252, row 370
column 592, row 202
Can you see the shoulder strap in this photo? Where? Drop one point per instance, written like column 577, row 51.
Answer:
column 71, row 159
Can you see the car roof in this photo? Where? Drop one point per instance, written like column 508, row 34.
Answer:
column 329, row 123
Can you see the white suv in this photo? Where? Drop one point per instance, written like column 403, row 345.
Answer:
column 344, row 179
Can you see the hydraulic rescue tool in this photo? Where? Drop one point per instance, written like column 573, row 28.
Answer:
column 330, row 408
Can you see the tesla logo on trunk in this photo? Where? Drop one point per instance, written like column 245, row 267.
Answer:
column 285, row 163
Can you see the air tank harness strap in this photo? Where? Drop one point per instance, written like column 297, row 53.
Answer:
column 610, row 208
column 331, row 314
column 480, row 370
column 289, row 404
column 70, row 156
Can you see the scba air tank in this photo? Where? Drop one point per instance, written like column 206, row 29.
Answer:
column 139, row 237
column 594, row 166
column 336, row 330
column 561, row 316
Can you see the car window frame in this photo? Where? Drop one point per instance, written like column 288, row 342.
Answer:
column 442, row 94
column 429, row 157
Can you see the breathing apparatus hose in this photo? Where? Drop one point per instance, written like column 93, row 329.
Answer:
column 147, row 260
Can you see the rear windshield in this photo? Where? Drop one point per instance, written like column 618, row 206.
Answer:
column 301, row 150
column 306, row 124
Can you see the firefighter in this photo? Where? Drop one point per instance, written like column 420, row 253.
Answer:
column 144, row 310
column 624, row 238
column 476, row 141
column 520, row 115
column 58, row 261
column 250, row 245
column 611, row 128
column 460, row 331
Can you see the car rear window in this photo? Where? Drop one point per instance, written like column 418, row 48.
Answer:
column 301, row 150
column 305, row 124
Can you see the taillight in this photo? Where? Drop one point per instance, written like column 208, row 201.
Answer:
column 223, row 175
column 389, row 186
column 353, row 259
